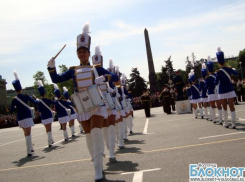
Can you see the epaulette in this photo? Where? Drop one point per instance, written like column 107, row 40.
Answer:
column 217, row 71
column 206, row 77
column 13, row 98
column 97, row 66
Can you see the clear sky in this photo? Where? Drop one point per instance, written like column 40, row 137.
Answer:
column 32, row 31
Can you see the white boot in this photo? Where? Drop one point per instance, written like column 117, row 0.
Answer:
column 106, row 137
column 220, row 117
column 125, row 131
column 28, row 145
column 112, row 142
column 32, row 150
column 210, row 112
column 233, row 120
column 225, row 124
column 97, row 142
column 206, row 112
column 52, row 136
column 89, row 144
column 50, row 140
column 201, row 112
column 72, row 131
column 195, row 112
column 116, row 127
column 120, row 135
column 213, row 115
column 130, row 124
column 65, row 135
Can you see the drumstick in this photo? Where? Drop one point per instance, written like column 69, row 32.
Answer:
column 59, row 51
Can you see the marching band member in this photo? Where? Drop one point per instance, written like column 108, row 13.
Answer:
column 24, row 113
column 131, row 111
column 226, row 91
column 212, row 95
column 109, row 131
column 120, row 129
column 83, row 77
column 46, row 112
column 189, row 90
column 62, row 112
column 69, row 105
column 145, row 98
column 195, row 92
column 203, row 89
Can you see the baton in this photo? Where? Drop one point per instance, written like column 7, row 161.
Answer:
column 59, row 51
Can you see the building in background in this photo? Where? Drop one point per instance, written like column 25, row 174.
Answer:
column 3, row 93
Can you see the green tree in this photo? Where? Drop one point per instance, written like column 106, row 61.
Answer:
column 136, row 83
column 68, row 84
column 169, row 67
column 241, row 63
column 48, row 88
column 162, row 78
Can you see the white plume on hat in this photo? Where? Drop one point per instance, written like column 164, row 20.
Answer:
column 117, row 70
column 65, row 89
column 189, row 75
column 192, row 72
column 123, row 77
column 203, row 66
column 16, row 75
column 219, row 49
column 98, row 50
column 86, row 28
column 56, row 87
column 111, row 64
column 39, row 82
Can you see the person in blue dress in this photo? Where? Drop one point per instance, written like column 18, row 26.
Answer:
column 73, row 115
column 203, row 89
column 188, row 90
column 212, row 92
column 24, row 112
column 195, row 93
column 83, row 77
column 63, row 113
column 46, row 112
column 226, row 91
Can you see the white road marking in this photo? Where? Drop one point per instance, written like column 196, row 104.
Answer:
column 138, row 175
column 146, row 126
column 19, row 140
column 48, row 146
column 222, row 135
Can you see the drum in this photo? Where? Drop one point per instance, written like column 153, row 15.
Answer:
column 109, row 101
column 88, row 99
column 68, row 112
column 118, row 105
column 32, row 112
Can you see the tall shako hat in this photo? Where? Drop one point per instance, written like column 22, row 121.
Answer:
column 220, row 56
column 123, row 79
column 16, row 82
column 56, row 91
column 192, row 76
column 97, row 58
column 203, row 70
column 84, row 40
column 210, row 65
column 65, row 93
column 117, row 71
column 40, row 88
column 111, row 66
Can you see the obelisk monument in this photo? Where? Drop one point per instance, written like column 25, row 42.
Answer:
column 152, row 74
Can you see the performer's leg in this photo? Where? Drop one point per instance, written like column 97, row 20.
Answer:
column 224, row 105
column 112, row 137
column 65, row 132
column 86, row 126
column 218, row 103
column 233, row 113
column 27, row 133
column 120, row 133
column 71, row 125
column 201, row 111
column 194, row 105
column 105, row 133
column 49, row 133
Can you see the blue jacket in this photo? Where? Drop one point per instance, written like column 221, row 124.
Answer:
column 195, row 92
column 22, row 111
column 203, row 89
column 210, row 83
column 223, row 81
column 61, row 112
column 70, row 74
column 68, row 105
column 45, row 112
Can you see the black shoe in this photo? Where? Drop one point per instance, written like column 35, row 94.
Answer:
column 131, row 132
column 32, row 151
column 73, row 136
column 125, row 140
column 50, row 146
column 82, row 132
column 233, row 127
column 113, row 160
column 29, row 155
column 66, row 140
column 202, row 117
column 196, row 117
column 121, row 147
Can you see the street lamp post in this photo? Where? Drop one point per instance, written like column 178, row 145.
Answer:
column 241, row 69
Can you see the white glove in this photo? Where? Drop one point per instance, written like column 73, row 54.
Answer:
column 51, row 63
column 118, row 95
column 110, row 90
column 55, row 98
column 129, row 99
column 124, row 95
column 99, row 80
column 233, row 68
